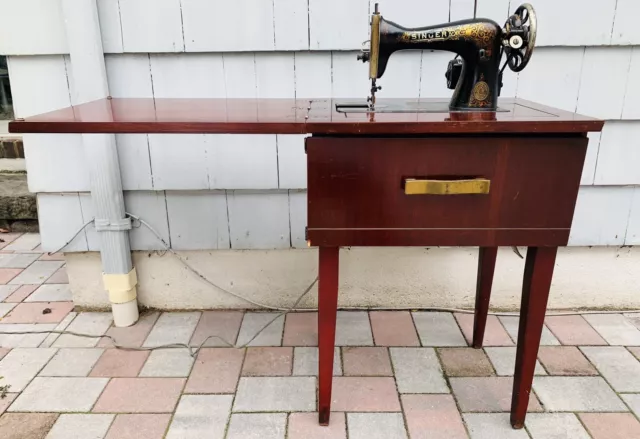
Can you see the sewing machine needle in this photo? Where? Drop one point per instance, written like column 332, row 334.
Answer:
column 372, row 98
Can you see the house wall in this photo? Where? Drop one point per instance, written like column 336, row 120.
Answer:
column 248, row 192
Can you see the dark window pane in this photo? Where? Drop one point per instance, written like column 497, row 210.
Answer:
column 6, row 103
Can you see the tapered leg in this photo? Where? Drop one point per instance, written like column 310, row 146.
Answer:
column 486, row 267
column 327, row 309
column 538, row 271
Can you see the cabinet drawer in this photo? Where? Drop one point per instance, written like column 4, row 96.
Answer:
column 481, row 185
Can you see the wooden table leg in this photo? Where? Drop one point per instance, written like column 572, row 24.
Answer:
column 538, row 271
column 486, row 267
column 327, row 310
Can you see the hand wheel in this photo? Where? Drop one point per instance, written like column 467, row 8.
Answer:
column 520, row 34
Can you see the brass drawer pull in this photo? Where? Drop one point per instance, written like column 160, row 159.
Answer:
column 446, row 187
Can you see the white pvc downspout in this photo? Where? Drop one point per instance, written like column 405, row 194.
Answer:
column 90, row 83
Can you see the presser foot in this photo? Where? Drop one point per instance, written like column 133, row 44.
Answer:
column 371, row 100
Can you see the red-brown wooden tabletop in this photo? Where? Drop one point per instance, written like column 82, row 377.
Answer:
column 296, row 116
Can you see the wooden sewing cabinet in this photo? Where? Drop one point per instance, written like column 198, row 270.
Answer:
column 440, row 179
column 400, row 179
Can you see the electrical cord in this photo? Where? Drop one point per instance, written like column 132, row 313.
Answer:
column 84, row 226
column 168, row 248
column 183, row 261
column 283, row 311
column 192, row 352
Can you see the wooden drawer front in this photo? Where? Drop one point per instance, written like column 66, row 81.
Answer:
column 358, row 183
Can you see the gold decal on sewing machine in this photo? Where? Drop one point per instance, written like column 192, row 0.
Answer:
column 481, row 94
column 482, row 33
column 478, row 186
column 426, row 36
column 481, row 91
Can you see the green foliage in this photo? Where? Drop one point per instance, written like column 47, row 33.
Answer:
column 4, row 390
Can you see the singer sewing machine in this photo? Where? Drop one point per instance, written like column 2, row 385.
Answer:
column 419, row 172
column 475, row 73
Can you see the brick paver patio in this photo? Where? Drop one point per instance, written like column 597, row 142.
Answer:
column 398, row 374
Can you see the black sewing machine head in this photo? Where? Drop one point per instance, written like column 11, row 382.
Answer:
column 475, row 72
